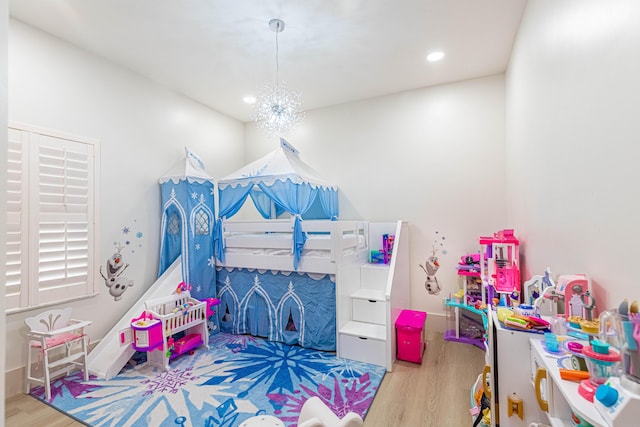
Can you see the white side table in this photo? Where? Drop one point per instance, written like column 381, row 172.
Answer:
column 263, row 421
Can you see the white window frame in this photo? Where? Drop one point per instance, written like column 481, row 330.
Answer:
column 52, row 218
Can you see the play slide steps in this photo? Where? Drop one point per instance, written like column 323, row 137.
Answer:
column 110, row 355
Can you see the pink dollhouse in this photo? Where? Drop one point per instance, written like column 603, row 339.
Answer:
column 501, row 270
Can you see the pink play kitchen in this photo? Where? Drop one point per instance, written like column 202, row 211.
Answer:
column 601, row 391
column 618, row 399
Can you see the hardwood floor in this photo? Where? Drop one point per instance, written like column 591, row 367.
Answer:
column 435, row 393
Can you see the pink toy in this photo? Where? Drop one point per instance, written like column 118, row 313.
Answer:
column 410, row 335
column 502, row 267
column 147, row 332
column 183, row 286
column 573, row 288
column 211, row 303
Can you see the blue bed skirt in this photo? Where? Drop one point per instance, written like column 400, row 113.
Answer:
column 288, row 307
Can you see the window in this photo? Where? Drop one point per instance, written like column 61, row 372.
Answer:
column 51, row 217
column 202, row 223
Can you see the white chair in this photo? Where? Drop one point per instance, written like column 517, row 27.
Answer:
column 50, row 331
column 315, row 413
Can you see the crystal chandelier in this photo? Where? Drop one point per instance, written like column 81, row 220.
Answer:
column 277, row 109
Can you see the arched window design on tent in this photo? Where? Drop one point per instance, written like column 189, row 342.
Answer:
column 201, row 220
column 228, row 309
column 173, row 223
column 290, row 313
column 257, row 312
column 187, row 225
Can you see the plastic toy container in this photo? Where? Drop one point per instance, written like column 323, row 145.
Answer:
column 410, row 335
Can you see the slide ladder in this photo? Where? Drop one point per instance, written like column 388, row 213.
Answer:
column 111, row 354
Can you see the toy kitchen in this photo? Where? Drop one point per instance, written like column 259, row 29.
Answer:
column 609, row 394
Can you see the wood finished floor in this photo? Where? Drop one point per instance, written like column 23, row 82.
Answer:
column 435, row 393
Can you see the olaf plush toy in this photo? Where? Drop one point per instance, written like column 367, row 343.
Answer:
column 431, row 268
column 114, row 280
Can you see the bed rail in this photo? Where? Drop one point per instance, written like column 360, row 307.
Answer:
column 267, row 244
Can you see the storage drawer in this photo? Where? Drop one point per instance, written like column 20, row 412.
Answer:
column 363, row 349
column 369, row 311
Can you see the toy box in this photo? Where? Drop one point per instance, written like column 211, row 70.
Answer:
column 377, row 257
column 410, row 330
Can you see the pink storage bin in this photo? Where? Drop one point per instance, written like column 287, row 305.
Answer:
column 410, row 335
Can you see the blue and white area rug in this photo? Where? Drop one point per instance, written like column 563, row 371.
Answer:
column 240, row 376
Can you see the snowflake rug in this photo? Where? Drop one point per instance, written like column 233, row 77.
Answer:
column 240, row 376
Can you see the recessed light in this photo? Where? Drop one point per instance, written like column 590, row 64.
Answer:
column 249, row 99
column 435, row 56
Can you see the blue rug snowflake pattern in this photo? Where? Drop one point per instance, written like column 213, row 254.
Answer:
column 240, row 376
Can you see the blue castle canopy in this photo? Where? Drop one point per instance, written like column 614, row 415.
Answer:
column 280, row 177
column 187, row 225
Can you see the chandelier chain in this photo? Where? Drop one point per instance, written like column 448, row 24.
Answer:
column 277, row 63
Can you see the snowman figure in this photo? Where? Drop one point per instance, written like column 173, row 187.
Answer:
column 431, row 268
column 114, row 280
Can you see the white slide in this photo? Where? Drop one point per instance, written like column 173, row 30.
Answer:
column 111, row 354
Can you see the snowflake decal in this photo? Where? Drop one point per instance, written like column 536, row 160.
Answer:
column 126, row 230
column 139, row 235
column 194, row 195
column 197, row 246
column 170, row 381
column 211, row 262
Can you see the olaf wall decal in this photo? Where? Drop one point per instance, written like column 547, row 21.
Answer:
column 431, row 267
column 114, row 280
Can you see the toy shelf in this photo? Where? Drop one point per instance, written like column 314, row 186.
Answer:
column 465, row 328
column 468, row 273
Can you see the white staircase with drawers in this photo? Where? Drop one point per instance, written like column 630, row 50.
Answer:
column 366, row 330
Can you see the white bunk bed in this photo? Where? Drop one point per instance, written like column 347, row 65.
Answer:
column 267, row 245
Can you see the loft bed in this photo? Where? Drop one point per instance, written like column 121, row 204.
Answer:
column 283, row 278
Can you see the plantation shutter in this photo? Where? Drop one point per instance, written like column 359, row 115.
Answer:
column 17, row 274
column 51, row 228
column 64, row 209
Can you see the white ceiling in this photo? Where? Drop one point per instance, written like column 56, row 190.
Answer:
column 332, row 51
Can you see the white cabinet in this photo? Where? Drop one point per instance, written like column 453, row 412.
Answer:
column 513, row 402
column 557, row 397
column 365, row 337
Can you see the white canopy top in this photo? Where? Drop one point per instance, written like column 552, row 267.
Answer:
column 282, row 164
column 192, row 170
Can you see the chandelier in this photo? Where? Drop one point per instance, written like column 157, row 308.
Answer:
column 277, row 109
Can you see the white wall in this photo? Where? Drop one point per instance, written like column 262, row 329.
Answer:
column 573, row 127
column 4, row 13
column 142, row 129
column 434, row 157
